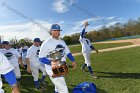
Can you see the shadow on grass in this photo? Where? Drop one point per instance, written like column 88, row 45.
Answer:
column 27, row 86
column 100, row 90
column 120, row 75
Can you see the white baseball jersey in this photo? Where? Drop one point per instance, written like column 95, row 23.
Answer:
column 24, row 53
column 50, row 45
column 85, row 45
column 1, row 50
column 12, row 55
column 19, row 50
column 5, row 66
column 33, row 55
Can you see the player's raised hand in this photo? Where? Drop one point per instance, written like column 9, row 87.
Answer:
column 86, row 24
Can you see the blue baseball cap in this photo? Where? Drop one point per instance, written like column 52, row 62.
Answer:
column 37, row 40
column 5, row 43
column 55, row 27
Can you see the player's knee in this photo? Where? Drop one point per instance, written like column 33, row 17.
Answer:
column 35, row 78
column 1, row 91
column 88, row 64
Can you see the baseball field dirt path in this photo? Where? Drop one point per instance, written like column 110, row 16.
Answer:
column 135, row 42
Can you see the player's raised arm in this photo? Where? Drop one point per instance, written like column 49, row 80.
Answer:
column 83, row 31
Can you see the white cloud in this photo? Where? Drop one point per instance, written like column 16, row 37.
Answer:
column 24, row 30
column 95, row 24
column 111, row 23
column 62, row 6
column 27, row 29
column 30, row 30
column 110, row 18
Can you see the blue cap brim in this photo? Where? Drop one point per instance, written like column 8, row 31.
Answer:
column 55, row 29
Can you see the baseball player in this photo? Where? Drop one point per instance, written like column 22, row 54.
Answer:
column 6, row 69
column 49, row 45
column 86, row 49
column 33, row 64
column 14, row 57
column 23, row 51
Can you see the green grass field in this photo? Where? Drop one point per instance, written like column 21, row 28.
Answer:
column 77, row 49
column 118, row 71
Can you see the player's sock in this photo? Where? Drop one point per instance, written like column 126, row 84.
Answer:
column 18, row 81
column 84, row 66
column 25, row 66
column 36, row 84
column 56, row 91
column 43, row 78
column 90, row 70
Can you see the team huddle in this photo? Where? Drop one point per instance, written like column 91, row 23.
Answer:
column 49, row 57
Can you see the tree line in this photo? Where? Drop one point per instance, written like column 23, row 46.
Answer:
column 131, row 28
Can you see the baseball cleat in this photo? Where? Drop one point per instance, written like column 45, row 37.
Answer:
column 94, row 76
column 37, row 87
column 44, row 83
column 83, row 69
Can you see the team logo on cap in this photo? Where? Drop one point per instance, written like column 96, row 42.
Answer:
column 57, row 26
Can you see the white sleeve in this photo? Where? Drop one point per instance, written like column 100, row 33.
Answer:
column 5, row 65
column 20, row 50
column 43, row 50
column 89, row 42
column 81, row 39
column 29, row 53
column 17, row 53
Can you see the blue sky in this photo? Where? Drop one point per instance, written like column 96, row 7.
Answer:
column 32, row 18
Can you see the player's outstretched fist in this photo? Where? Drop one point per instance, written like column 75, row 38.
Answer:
column 86, row 24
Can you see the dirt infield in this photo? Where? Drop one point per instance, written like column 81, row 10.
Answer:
column 135, row 42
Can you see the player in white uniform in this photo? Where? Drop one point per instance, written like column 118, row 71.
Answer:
column 6, row 69
column 86, row 49
column 23, row 51
column 14, row 57
column 33, row 63
column 49, row 45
